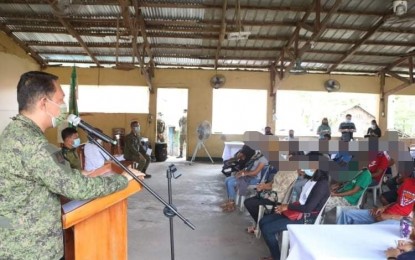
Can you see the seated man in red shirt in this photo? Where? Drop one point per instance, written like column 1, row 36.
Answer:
column 389, row 213
column 377, row 167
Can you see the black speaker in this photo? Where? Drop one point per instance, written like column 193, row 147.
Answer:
column 161, row 152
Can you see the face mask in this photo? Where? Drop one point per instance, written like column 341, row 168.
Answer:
column 348, row 120
column 309, row 172
column 100, row 141
column 373, row 126
column 76, row 142
column 137, row 129
column 63, row 114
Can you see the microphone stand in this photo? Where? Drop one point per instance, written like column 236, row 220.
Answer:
column 169, row 210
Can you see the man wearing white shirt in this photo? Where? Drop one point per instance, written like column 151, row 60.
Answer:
column 94, row 157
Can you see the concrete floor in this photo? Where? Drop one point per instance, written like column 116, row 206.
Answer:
column 197, row 195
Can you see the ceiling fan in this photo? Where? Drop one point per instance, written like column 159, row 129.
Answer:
column 217, row 81
column 331, row 85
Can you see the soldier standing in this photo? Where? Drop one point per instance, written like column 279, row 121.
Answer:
column 161, row 127
column 34, row 173
column 183, row 132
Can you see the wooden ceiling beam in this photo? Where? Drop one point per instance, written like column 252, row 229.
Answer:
column 197, row 47
column 204, row 6
column 399, row 61
column 57, row 12
column 316, row 35
column 358, row 44
column 222, row 32
column 263, row 38
column 24, row 46
column 17, row 19
column 148, row 70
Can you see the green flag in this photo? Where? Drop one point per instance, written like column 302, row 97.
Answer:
column 73, row 94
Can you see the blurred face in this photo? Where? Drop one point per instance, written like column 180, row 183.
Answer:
column 348, row 118
column 291, row 133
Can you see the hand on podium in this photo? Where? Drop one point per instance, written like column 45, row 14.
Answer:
column 137, row 173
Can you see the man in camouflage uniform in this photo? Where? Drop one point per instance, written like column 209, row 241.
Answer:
column 71, row 141
column 33, row 174
column 134, row 150
column 161, row 127
column 183, row 132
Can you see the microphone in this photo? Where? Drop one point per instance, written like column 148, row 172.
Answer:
column 76, row 121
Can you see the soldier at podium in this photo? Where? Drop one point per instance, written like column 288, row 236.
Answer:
column 34, row 173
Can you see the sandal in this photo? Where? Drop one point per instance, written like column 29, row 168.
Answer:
column 251, row 229
column 227, row 204
column 231, row 207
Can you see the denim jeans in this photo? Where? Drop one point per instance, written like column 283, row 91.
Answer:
column 360, row 216
column 270, row 226
column 230, row 183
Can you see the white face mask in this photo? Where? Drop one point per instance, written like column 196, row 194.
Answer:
column 76, row 142
column 137, row 129
column 100, row 141
column 348, row 120
column 63, row 114
column 373, row 126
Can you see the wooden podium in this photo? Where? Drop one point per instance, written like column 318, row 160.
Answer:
column 97, row 229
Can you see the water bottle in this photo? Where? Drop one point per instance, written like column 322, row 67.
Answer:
column 294, row 196
column 406, row 227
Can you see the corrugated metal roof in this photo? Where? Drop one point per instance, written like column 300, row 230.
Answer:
column 187, row 33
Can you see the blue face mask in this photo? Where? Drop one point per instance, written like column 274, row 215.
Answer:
column 76, row 142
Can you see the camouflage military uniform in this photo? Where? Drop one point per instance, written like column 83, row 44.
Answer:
column 32, row 175
column 134, row 151
column 72, row 157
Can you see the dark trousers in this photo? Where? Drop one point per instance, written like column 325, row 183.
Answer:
column 252, row 205
column 270, row 226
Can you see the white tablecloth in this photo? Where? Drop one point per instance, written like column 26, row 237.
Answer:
column 230, row 149
column 341, row 242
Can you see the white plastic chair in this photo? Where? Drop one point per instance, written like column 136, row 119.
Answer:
column 239, row 200
column 377, row 188
column 285, row 240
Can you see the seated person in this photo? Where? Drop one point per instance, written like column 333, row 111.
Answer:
column 280, row 185
column 71, row 141
column 405, row 250
column 134, row 150
column 268, row 131
column 394, row 183
column 389, row 213
column 312, row 199
column 233, row 165
column 304, row 175
column 348, row 193
column 255, row 162
column 377, row 167
column 94, row 157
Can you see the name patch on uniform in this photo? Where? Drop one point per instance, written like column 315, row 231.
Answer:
column 59, row 157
